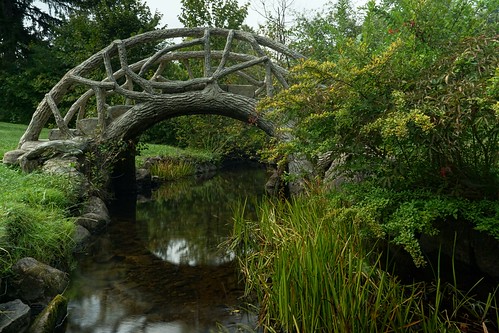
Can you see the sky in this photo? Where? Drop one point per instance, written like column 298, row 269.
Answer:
column 170, row 9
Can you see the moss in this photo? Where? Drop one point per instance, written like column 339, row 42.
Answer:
column 51, row 316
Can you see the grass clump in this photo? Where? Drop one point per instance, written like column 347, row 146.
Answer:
column 34, row 221
column 34, row 210
column 312, row 272
column 172, row 169
column 170, row 163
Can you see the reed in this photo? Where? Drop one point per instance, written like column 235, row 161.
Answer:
column 172, row 169
column 311, row 273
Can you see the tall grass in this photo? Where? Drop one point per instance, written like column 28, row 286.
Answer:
column 34, row 221
column 34, row 210
column 172, row 169
column 310, row 273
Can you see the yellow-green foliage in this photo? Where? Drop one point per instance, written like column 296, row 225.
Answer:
column 409, row 109
column 416, row 103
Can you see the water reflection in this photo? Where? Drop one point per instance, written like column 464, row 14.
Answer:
column 163, row 271
column 191, row 218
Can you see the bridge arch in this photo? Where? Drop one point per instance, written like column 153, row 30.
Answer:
column 117, row 94
column 121, row 91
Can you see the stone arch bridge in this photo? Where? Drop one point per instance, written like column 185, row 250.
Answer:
column 119, row 92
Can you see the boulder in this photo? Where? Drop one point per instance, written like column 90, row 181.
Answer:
column 12, row 157
column 95, row 215
column 96, row 205
column 461, row 242
column 274, row 184
column 36, row 282
column 62, row 166
column 144, row 180
column 486, row 249
column 81, row 238
column 14, row 317
column 87, row 126
column 116, row 111
column 51, row 317
column 56, row 134
column 299, row 168
column 49, row 150
column 93, row 222
column 31, row 145
column 324, row 162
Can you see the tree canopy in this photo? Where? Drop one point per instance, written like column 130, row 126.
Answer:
column 22, row 22
column 213, row 13
column 37, row 48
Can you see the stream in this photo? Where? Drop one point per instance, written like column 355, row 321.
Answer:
column 159, row 266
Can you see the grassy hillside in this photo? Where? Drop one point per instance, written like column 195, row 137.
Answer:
column 33, row 211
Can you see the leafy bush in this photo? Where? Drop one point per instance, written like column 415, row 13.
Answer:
column 410, row 106
column 220, row 135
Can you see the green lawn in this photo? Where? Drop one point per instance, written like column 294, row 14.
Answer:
column 11, row 133
column 9, row 136
column 193, row 155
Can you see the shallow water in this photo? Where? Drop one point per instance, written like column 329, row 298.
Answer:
column 159, row 266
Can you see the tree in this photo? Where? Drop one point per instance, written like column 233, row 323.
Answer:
column 213, row 13
column 276, row 17
column 87, row 30
column 22, row 23
column 23, row 88
column 43, row 53
column 322, row 36
column 409, row 113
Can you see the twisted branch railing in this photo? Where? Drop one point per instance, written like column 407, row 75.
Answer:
column 149, row 97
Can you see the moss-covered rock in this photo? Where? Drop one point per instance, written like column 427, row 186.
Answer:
column 36, row 282
column 51, row 316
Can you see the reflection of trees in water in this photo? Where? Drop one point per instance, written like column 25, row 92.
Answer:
column 190, row 218
column 122, row 287
column 134, row 292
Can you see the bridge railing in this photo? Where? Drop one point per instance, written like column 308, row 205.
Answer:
column 144, row 79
